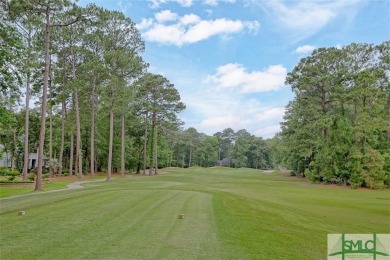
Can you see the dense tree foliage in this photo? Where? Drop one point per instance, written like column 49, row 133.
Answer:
column 336, row 129
column 226, row 148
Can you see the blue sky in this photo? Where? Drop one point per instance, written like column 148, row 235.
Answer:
column 229, row 58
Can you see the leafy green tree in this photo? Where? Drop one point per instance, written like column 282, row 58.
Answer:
column 335, row 128
column 207, row 152
column 226, row 140
column 46, row 11
column 157, row 97
column 11, row 48
column 122, row 44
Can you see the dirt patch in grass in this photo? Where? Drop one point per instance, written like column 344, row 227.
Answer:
column 268, row 171
column 65, row 178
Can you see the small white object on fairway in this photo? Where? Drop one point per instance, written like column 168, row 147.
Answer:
column 21, row 213
column 181, row 216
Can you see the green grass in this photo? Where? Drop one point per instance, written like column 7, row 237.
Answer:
column 9, row 189
column 229, row 214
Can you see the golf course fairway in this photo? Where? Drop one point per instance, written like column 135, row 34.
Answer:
column 228, row 214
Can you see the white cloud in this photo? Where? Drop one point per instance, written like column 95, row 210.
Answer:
column 189, row 19
column 210, row 2
column 215, row 2
column 247, row 118
column 184, row 3
column 233, row 75
column 165, row 33
column 234, row 111
column 221, row 122
column 165, row 16
column 123, row 6
column 187, row 3
column 190, row 28
column 145, row 24
column 271, row 113
column 205, row 29
column 211, row 109
column 156, row 3
column 305, row 49
column 268, row 131
column 305, row 18
column 253, row 26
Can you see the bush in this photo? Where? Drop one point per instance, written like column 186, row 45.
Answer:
column 11, row 178
column 6, row 172
column 31, row 176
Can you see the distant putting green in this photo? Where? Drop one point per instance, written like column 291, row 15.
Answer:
column 228, row 214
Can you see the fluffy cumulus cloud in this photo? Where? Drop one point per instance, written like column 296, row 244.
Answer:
column 233, row 75
column 305, row 49
column 170, row 28
column 165, row 16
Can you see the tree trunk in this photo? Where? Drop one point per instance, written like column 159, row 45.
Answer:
column 145, row 141
column 79, row 163
column 154, row 127
column 92, row 170
column 190, row 161
column 13, row 161
column 71, row 155
column 109, row 173
column 38, row 183
column 63, row 107
column 51, row 170
column 26, row 128
column 123, row 147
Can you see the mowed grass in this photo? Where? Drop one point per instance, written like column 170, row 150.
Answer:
column 229, row 214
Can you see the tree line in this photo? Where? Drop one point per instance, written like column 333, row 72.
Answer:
column 97, row 107
column 226, row 148
column 337, row 128
column 84, row 66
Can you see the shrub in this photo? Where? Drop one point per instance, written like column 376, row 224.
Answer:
column 6, row 172
column 11, row 178
column 31, row 176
